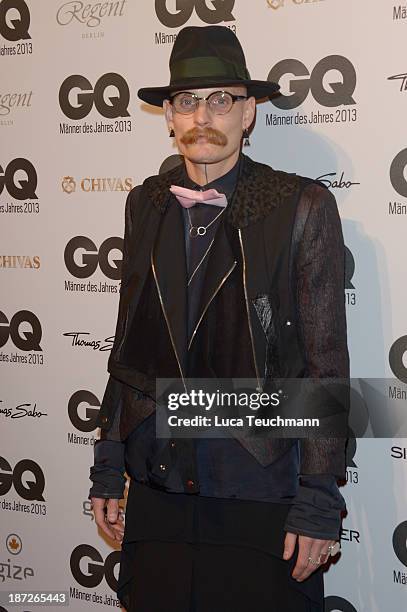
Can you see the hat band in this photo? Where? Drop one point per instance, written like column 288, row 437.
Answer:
column 206, row 67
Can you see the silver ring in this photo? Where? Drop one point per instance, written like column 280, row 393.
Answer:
column 334, row 549
column 315, row 562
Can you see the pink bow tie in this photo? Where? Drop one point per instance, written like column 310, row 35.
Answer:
column 190, row 197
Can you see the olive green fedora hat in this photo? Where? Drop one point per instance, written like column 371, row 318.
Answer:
column 206, row 57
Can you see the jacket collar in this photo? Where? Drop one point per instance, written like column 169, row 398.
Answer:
column 259, row 189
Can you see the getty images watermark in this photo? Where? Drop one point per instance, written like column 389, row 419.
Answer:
column 223, row 407
column 218, row 400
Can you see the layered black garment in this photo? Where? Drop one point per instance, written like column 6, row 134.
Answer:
column 240, row 530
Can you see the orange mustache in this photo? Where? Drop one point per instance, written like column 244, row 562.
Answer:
column 212, row 136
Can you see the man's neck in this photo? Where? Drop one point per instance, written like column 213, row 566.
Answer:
column 202, row 174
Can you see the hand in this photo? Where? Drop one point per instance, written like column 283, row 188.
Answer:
column 110, row 523
column 307, row 547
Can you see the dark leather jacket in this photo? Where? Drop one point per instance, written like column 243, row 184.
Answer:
column 283, row 233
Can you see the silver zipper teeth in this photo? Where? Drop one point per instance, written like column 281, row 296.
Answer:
column 119, row 348
column 259, row 386
column 166, row 320
column 207, row 306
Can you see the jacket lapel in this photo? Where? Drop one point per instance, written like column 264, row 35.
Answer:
column 221, row 262
column 168, row 262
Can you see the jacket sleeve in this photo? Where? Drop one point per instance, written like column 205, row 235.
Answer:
column 107, row 472
column 320, row 294
column 321, row 312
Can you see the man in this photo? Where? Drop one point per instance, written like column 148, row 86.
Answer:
column 230, row 270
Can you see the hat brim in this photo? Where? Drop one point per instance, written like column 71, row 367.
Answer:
column 157, row 95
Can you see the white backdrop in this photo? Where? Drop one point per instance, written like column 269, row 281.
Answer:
column 62, row 194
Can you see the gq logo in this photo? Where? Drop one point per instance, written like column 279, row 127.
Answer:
column 83, row 397
column 31, row 490
column 397, row 177
column 14, row 29
column 92, row 257
column 79, row 106
column 400, row 542
column 396, row 354
column 26, row 340
column 95, row 571
column 338, row 604
column 221, row 11
column 341, row 91
column 20, row 189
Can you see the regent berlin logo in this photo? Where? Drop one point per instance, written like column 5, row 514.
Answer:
column 109, row 96
column 10, row 102
column 89, row 14
column 210, row 12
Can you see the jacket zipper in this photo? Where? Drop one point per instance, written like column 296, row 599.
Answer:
column 259, row 386
column 208, row 304
column 168, row 323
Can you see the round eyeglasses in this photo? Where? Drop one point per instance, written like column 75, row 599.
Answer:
column 219, row 102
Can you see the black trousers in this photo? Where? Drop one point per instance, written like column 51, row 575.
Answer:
column 186, row 577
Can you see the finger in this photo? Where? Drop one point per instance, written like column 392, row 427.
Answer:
column 112, row 510
column 304, row 548
column 98, row 505
column 317, row 546
column 289, row 545
column 118, row 533
column 117, row 526
column 326, row 553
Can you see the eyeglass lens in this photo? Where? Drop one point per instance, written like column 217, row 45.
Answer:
column 218, row 102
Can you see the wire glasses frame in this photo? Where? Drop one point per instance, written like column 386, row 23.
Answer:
column 219, row 102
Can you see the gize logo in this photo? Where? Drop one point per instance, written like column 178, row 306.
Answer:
column 341, row 91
